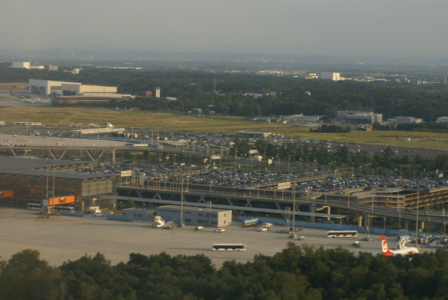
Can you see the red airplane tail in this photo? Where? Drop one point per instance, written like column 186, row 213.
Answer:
column 385, row 247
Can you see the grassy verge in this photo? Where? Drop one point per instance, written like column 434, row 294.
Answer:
column 170, row 122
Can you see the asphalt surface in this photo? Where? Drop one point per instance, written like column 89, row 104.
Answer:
column 63, row 238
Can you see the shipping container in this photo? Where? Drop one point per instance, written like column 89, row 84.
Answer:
column 6, row 194
column 61, row 200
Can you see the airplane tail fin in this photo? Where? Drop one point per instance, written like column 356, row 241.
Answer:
column 10, row 91
column 385, row 247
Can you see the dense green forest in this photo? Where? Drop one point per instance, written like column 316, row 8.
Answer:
column 326, row 97
column 298, row 272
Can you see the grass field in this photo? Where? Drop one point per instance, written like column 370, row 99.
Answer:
column 170, row 122
column 17, row 84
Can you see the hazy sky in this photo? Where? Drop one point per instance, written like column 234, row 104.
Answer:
column 257, row 26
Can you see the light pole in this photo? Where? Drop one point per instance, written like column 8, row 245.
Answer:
column 416, row 223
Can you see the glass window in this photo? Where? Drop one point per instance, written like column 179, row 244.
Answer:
column 214, row 215
column 200, row 214
column 214, row 222
column 224, row 221
column 200, row 221
column 187, row 220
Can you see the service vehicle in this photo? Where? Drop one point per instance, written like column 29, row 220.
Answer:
column 229, row 247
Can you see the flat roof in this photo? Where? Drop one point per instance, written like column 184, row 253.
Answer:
column 28, row 165
column 177, row 207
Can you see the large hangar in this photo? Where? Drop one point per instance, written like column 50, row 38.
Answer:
column 45, row 87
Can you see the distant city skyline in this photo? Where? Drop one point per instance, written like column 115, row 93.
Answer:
column 303, row 27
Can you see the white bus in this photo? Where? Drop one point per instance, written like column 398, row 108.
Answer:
column 342, row 233
column 229, row 247
column 35, row 206
column 135, row 145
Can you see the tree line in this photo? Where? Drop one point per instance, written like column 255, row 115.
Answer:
column 308, row 153
column 194, row 89
column 297, row 272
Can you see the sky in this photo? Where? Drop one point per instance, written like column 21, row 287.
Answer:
column 356, row 27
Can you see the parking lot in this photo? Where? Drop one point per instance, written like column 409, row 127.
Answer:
column 62, row 238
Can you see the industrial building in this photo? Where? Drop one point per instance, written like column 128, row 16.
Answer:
column 157, row 92
column 405, row 120
column 25, row 65
column 52, row 68
column 331, row 76
column 253, row 134
column 359, row 117
column 196, row 216
column 21, row 65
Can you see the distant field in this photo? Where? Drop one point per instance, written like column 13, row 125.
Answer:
column 170, row 122
column 17, row 84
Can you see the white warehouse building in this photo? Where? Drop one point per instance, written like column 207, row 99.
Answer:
column 45, row 87
column 331, row 76
column 21, row 65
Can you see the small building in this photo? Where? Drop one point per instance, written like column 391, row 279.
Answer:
column 197, row 111
column 157, row 92
column 253, row 134
column 405, row 120
column 138, row 213
column 196, row 216
column 148, row 94
column 312, row 76
column 442, row 120
column 52, row 68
